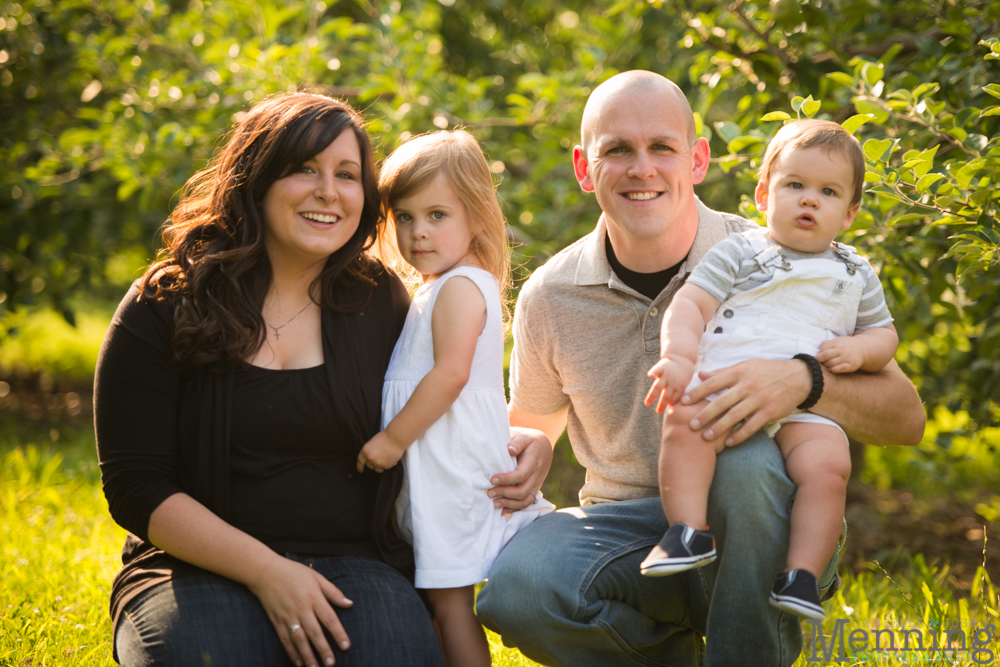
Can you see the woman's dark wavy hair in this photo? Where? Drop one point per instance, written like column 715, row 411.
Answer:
column 214, row 265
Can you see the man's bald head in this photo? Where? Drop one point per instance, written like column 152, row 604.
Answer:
column 627, row 84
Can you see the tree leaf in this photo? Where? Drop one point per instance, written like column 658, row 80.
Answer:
column 993, row 89
column 922, row 166
column 957, row 132
column 854, row 122
column 885, row 191
column 775, row 115
column 990, row 111
column 868, row 107
column 727, row 130
column 876, row 148
column 949, row 220
column 926, row 88
column 811, row 106
column 842, row 78
column 890, row 53
column 727, row 165
column 740, row 144
column 872, row 73
column 908, row 217
column 926, row 181
column 965, row 174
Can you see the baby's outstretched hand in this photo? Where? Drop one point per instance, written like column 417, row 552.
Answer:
column 670, row 379
column 380, row 453
column 840, row 355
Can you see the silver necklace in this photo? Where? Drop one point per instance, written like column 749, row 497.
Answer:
column 277, row 336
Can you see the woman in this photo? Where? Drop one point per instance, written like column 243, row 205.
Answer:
column 238, row 381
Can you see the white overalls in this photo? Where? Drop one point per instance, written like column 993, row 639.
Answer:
column 803, row 304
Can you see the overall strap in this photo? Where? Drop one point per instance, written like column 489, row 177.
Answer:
column 849, row 255
column 766, row 254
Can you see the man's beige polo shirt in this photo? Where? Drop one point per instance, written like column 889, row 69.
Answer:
column 583, row 337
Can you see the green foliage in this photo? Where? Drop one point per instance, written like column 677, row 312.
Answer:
column 42, row 342
column 956, row 457
column 916, row 83
column 112, row 106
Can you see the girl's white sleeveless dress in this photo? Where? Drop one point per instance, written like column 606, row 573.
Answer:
column 443, row 509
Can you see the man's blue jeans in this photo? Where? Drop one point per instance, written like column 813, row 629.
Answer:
column 567, row 589
column 205, row 619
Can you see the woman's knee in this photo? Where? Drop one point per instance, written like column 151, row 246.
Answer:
column 388, row 622
column 194, row 618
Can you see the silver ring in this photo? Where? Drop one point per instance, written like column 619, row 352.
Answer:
column 293, row 628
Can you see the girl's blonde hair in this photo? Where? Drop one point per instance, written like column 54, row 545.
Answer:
column 457, row 155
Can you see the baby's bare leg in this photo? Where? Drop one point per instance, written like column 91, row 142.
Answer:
column 462, row 636
column 818, row 460
column 687, row 466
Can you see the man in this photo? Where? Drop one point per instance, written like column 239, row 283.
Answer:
column 567, row 590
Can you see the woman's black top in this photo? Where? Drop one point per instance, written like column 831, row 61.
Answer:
column 271, row 452
column 293, row 481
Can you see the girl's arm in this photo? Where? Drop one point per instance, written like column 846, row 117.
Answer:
column 458, row 318
column 680, row 335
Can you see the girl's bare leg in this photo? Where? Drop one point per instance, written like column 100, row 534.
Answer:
column 687, row 467
column 818, row 460
column 462, row 636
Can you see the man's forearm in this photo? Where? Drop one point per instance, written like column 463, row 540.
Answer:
column 551, row 425
column 875, row 408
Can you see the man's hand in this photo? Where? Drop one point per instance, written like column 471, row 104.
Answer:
column 380, row 453
column 843, row 354
column 755, row 392
column 516, row 489
column 670, row 378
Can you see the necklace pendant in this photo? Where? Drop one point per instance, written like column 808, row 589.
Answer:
column 277, row 336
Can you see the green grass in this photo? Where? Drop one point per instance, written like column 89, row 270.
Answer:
column 59, row 551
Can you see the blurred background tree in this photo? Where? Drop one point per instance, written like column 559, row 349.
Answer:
column 109, row 107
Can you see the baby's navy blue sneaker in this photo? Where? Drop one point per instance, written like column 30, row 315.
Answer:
column 797, row 592
column 682, row 548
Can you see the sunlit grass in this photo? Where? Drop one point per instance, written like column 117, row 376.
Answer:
column 59, row 551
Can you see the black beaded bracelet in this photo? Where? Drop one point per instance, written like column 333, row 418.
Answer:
column 817, row 388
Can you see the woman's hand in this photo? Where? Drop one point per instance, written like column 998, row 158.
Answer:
column 297, row 600
column 516, row 490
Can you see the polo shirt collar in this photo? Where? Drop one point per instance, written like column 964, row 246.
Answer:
column 593, row 267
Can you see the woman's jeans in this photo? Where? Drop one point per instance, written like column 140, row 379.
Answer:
column 206, row 619
column 567, row 590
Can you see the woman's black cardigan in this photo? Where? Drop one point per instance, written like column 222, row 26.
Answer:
column 161, row 431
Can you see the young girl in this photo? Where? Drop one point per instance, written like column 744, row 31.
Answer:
column 443, row 392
